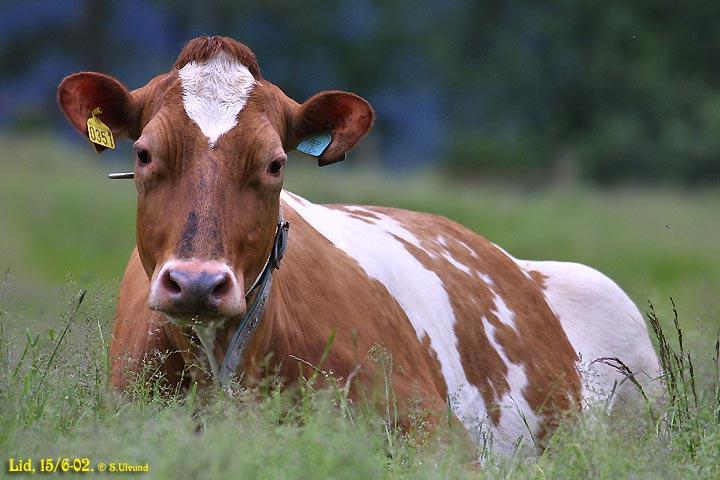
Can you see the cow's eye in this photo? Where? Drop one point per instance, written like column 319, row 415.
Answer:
column 143, row 156
column 275, row 167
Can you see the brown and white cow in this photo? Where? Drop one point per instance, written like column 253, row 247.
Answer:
column 505, row 341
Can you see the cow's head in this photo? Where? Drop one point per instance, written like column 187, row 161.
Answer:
column 211, row 138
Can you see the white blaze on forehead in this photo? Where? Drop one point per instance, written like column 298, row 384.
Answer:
column 214, row 92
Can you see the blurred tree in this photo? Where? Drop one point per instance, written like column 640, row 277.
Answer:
column 613, row 90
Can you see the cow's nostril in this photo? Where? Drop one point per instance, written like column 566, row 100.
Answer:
column 193, row 288
column 170, row 285
column 222, row 288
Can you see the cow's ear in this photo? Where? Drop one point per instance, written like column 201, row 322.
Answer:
column 79, row 94
column 345, row 116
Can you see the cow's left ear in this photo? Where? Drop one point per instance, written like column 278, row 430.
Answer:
column 345, row 116
column 79, row 94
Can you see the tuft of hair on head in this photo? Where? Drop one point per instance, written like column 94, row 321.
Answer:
column 202, row 49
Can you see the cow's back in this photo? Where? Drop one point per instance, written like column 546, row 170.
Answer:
column 500, row 348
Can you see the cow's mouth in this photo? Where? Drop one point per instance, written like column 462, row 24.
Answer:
column 193, row 320
column 205, row 328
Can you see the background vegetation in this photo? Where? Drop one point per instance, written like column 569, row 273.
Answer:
column 610, row 91
column 581, row 131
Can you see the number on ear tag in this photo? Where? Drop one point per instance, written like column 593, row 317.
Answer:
column 98, row 132
column 316, row 144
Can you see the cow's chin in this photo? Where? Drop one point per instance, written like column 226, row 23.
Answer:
column 205, row 328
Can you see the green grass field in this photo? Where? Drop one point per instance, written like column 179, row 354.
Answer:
column 64, row 227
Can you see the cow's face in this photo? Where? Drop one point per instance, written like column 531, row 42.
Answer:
column 211, row 141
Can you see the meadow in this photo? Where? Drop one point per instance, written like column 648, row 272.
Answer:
column 65, row 229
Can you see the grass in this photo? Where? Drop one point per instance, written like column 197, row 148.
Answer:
column 55, row 402
column 62, row 217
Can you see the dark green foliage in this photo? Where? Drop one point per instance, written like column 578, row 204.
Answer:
column 607, row 90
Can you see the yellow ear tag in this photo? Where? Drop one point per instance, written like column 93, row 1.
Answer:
column 98, row 132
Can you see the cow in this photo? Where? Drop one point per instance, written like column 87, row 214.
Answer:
column 507, row 344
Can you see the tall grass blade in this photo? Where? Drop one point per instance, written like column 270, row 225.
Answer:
column 71, row 317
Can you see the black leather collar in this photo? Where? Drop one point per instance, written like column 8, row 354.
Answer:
column 253, row 316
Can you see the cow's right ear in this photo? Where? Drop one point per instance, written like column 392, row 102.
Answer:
column 79, row 94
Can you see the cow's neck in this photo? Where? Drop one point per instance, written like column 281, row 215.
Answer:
column 270, row 343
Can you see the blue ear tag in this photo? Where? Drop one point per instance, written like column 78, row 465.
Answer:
column 315, row 145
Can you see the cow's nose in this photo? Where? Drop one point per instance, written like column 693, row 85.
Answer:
column 192, row 288
column 196, row 291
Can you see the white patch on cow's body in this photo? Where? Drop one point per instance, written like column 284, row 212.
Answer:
column 422, row 296
column 513, row 405
column 214, row 92
column 485, row 278
column 600, row 321
column 447, row 255
column 460, row 266
column 518, row 423
column 504, row 314
column 473, row 253
column 358, row 208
